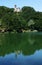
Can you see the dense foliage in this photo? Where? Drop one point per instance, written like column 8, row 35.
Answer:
column 10, row 20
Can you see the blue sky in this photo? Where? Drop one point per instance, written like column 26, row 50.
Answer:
column 36, row 4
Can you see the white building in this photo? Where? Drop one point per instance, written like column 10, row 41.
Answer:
column 16, row 9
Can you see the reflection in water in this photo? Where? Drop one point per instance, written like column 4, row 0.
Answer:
column 31, row 39
column 18, row 52
column 10, row 59
column 27, row 42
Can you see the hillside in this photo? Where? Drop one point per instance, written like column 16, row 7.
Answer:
column 11, row 20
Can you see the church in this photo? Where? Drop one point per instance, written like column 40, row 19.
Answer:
column 16, row 9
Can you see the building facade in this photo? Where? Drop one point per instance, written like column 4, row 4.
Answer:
column 16, row 9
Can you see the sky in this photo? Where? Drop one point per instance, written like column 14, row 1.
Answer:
column 36, row 4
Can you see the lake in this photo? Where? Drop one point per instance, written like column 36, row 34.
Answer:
column 21, row 48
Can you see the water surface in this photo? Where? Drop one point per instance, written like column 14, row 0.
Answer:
column 21, row 48
column 21, row 59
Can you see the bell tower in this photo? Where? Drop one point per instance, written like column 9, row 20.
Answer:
column 16, row 9
column 15, row 6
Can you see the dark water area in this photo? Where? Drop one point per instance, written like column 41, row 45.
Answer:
column 21, row 48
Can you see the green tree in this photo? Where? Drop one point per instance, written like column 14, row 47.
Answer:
column 7, row 22
column 27, row 12
column 18, row 22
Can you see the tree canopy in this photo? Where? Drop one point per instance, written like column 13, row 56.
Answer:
column 20, row 20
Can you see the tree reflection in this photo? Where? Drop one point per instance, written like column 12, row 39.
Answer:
column 14, row 42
